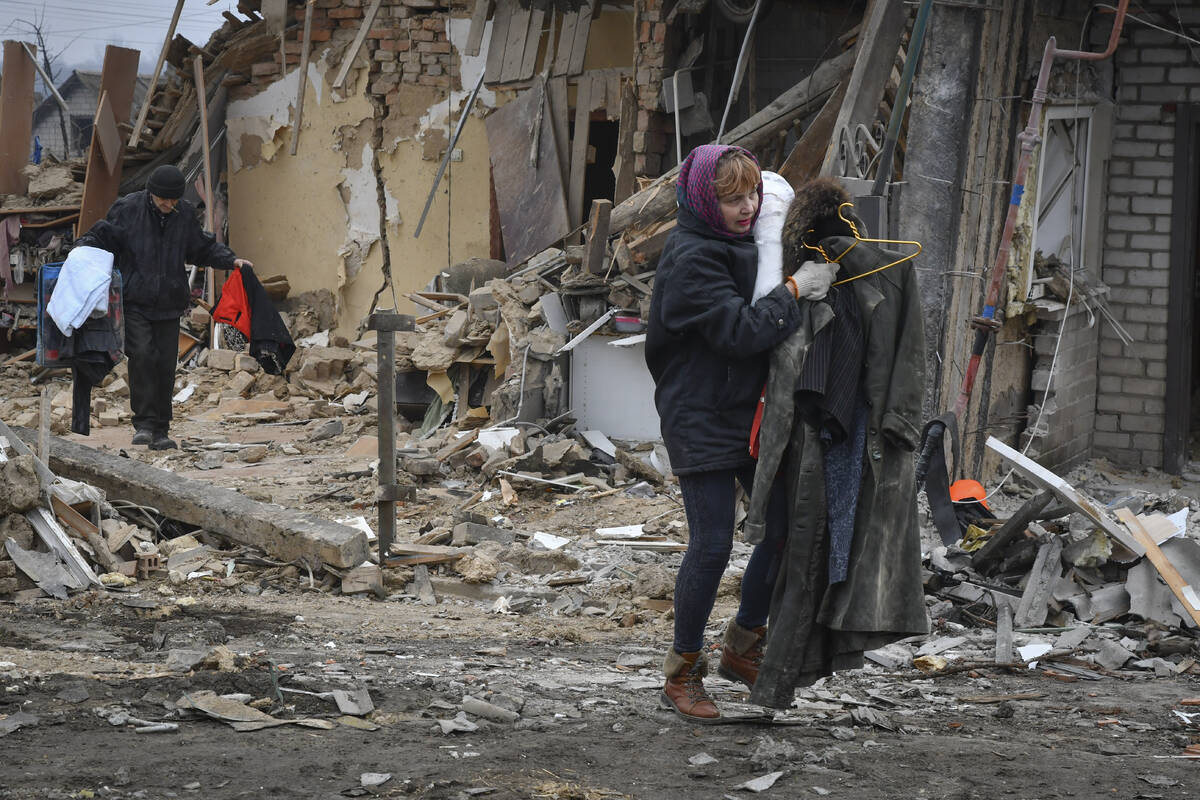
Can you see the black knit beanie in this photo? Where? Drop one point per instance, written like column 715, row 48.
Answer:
column 166, row 182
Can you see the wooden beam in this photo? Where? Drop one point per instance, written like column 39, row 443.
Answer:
column 1183, row 592
column 658, row 199
column 1047, row 568
column 579, row 146
column 348, row 57
column 107, row 134
column 595, row 258
column 202, row 99
column 579, row 41
column 1076, row 499
column 302, row 81
column 559, row 110
column 623, row 164
column 162, row 56
column 284, row 533
column 100, row 186
column 483, row 9
column 808, row 154
column 875, row 55
column 16, row 116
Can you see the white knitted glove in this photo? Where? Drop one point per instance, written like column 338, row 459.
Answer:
column 814, row 278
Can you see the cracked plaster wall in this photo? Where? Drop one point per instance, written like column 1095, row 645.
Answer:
column 315, row 216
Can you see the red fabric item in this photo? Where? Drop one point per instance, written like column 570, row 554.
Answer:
column 234, row 307
column 758, row 415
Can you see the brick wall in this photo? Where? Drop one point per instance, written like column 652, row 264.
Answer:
column 1069, row 417
column 1153, row 72
column 407, row 43
column 655, row 129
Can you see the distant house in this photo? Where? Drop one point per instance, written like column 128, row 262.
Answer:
column 81, row 91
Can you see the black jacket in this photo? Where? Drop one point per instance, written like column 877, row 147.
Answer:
column 151, row 250
column 707, row 347
column 245, row 305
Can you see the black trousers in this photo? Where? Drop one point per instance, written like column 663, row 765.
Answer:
column 152, row 346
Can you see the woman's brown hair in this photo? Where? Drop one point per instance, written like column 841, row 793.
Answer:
column 736, row 173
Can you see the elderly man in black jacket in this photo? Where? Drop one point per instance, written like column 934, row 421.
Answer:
column 152, row 233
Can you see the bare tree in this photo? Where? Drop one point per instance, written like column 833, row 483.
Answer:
column 48, row 66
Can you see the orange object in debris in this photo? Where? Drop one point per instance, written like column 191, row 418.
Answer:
column 967, row 489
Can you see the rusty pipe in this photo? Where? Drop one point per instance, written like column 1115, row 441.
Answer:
column 985, row 324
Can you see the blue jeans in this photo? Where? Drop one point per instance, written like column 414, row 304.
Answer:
column 708, row 499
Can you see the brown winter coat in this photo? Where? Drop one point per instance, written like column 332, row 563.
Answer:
column 815, row 628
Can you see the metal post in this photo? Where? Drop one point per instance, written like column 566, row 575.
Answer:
column 386, row 323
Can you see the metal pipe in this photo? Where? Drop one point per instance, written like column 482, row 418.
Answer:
column 738, row 70
column 915, row 42
column 985, row 324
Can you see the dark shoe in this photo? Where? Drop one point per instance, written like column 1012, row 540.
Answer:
column 161, row 442
column 142, row 437
column 742, row 654
column 684, row 690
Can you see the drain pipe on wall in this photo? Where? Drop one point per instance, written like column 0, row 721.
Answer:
column 986, row 324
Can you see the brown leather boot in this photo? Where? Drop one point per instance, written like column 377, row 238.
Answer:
column 742, row 654
column 684, row 692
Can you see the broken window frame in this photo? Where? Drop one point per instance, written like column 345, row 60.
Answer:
column 1091, row 161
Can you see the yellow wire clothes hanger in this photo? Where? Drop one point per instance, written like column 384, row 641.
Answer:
column 858, row 238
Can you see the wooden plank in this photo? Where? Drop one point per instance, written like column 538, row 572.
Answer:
column 558, row 111
column 348, row 57
column 162, row 56
column 804, row 162
column 533, row 43
column 875, row 55
column 1012, row 529
column 1004, row 634
column 579, row 41
column 579, row 145
column 284, row 533
column 26, row 356
column 107, row 134
column 514, row 45
column 531, row 204
column 1074, row 498
column 595, row 258
column 1185, row 593
column 495, row 54
column 566, row 38
column 1046, row 570
column 612, row 94
column 83, row 526
column 117, row 79
column 623, row 163
column 302, row 78
column 479, row 16
column 16, row 116
column 202, row 99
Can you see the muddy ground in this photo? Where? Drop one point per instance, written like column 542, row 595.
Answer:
column 582, row 676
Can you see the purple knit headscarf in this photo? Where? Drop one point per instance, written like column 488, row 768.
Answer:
column 695, row 190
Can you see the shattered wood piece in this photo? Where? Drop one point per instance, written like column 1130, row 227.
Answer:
column 1078, row 500
column 86, row 530
column 1004, row 635
column 1047, row 568
column 348, row 57
column 623, row 163
column 461, row 443
column 423, row 585
column 1001, row 698
column 595, row 259
column 993, row 549
column 107, row 135
column 562, row 483
column 1185, row 593
column 287, row 534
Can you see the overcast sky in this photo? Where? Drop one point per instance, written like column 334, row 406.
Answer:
column 77, row 31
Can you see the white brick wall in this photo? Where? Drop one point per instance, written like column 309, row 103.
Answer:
column 1153, row 71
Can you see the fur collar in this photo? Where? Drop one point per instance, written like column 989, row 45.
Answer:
column 814, row 208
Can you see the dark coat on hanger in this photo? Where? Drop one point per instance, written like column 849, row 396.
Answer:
column 814, row 628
